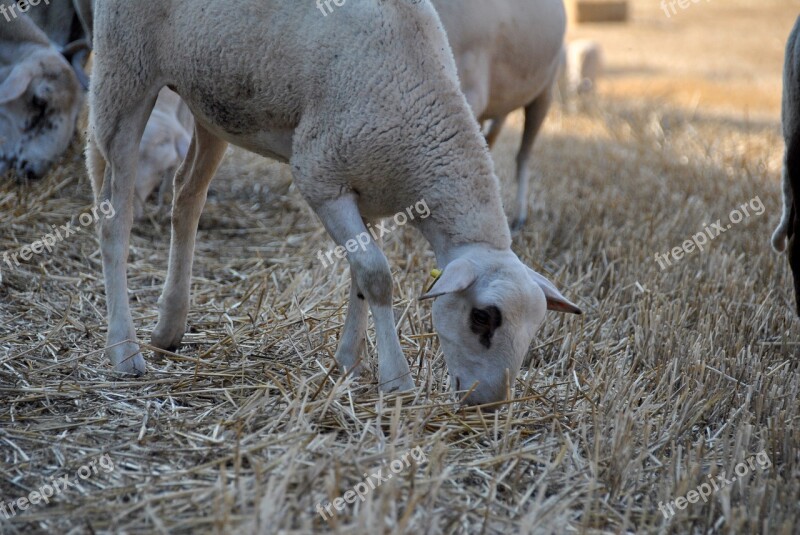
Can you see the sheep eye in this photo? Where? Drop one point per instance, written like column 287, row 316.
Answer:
column 484, row 322
column 38, row 102
column 480, row 317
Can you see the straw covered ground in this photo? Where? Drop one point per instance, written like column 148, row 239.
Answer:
column 673, row 376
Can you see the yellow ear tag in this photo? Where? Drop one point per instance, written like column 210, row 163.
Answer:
column 435, row 273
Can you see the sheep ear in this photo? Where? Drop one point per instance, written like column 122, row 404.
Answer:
column 456, row 277
column 555, row 301
column 17, row 83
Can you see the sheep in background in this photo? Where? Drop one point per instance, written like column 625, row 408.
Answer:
column 789, row 226
column 371, row 123
column 40, row 98
column 164, row 145
column 508, row 54
column 581, row 68
column 58, row 20
column 66, row 29
column 40, row 103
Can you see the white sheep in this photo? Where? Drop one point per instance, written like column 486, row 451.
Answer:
column 164, row 145
column 40, row 99
column 57, row 19
column 789, row 226
column 508, row 54
column 63, row 25
column 581, row 68
column 365, row 106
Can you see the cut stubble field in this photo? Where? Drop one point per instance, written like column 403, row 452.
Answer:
column 671, row 379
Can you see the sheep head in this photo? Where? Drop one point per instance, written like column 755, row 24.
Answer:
column 489, row 306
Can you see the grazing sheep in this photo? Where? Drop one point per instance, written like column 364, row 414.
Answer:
column 508, row 54
column 59, row 20
column 789, row 226
column 582, row 66
column 40, row 98
column 365, row 106
column 164, row 145
column 66, row 29
column 166, row 137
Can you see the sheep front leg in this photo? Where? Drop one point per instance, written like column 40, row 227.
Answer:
column 371, row 274
column 353, row 337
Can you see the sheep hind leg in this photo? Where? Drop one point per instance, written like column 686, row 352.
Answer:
column 190, row 191
column 96, row 166
column 112, row 160
column 535, row 113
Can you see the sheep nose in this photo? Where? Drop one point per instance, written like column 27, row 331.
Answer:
column 482, row 394
column 30, row 171
column 476, row 398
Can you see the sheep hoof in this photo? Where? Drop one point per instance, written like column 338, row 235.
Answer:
column 403, row 384
column 355, row 372
column 167, row 338
column 518, row 224
column 126, row 362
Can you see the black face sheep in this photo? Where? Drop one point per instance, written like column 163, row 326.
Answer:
column 789, row 226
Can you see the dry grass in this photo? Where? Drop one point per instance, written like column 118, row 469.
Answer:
column 670, row 376
column 720, row 54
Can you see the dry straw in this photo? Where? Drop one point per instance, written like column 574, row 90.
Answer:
column 669, row 377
